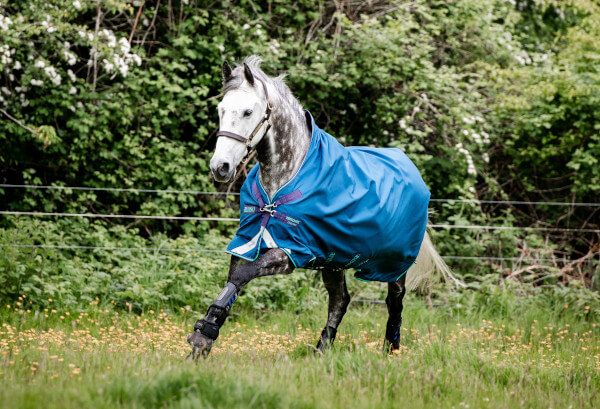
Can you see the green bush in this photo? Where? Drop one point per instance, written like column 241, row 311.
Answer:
column 491, row 100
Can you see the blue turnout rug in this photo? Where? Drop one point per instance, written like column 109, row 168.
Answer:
column 356, row 207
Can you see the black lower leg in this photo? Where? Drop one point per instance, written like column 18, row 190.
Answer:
column 393, row 301
column 339, row 298
column 217, row 312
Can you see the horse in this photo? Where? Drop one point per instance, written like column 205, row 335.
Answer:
column 305, row 179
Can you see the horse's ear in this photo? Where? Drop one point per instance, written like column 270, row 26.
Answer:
column 248, row 74
column 226, row 71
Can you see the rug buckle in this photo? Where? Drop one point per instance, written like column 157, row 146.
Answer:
column 270, row 208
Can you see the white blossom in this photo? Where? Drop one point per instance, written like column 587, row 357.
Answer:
column 40, row 64
column 123, row 69
column 111, row 40
column 77, row 4
column 523, row 58
column 470, row 164
column 5, row 55
column 108, row 66
column 5, row 22
column 71, row 75
column 137, row 60
column 35, row 82
column 70, row 57
column 53, row 75
column 124, row 45
column 72, row 91
column 17, row 65
column 402, row 123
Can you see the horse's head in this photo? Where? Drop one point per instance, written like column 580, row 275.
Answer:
column 243, row 119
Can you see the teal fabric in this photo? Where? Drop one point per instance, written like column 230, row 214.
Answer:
column 356, row 207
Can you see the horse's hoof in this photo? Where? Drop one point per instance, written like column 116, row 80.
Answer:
column 321, row 347
column 326, row 339
column 201, row 345
column 391, row 348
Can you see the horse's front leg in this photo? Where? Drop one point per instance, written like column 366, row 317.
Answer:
column 206, row 330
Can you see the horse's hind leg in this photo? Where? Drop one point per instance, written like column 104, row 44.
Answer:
column 396, row 291
column 335, row 283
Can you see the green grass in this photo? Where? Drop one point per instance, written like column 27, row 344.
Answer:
column 106, row 360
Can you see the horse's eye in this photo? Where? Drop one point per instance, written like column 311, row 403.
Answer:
column 247, row 113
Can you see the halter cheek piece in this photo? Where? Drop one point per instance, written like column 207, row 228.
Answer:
column 265, row 118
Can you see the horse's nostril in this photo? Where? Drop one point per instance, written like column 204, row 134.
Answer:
column 223, row 169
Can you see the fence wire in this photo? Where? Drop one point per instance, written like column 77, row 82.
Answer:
column 202, row 192
column 120, row 216
column 231, row 219
column 222, row 252
column 116, row 189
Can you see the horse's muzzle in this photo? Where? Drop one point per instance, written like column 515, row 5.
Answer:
column 222, row 171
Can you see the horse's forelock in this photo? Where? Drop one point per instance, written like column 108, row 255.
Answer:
column 237, row 75
column 279, row 93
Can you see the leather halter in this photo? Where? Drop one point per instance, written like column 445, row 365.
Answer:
column 265, row 118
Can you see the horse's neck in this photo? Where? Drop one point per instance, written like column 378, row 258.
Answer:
column 282, row 151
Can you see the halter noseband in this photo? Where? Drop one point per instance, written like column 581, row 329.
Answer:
column 265, row 118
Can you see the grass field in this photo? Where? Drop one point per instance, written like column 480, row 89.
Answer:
column 103, row 359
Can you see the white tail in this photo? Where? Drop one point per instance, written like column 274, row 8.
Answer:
column 422, row 274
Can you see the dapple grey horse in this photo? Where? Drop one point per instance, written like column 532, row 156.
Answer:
column 260, row 113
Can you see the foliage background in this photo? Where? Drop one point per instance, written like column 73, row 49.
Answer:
column 492, row 100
